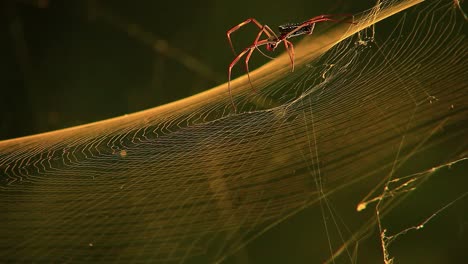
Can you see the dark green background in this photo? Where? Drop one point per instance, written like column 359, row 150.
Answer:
column 63, row 65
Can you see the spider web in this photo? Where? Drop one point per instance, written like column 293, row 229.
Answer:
column 349, row 136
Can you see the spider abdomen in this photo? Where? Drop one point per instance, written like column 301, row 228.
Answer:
column 287, row 28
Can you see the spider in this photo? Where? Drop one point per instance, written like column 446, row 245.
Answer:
column 273, row 40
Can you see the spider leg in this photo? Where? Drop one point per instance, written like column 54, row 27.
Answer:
column 314, row 20
column 248, row 51
column 247, row 57
column 270, row 37
column 311, row 29
column 290, row 48
column 271, row 32
column 253, row 20
column 263, row 53
column 233, row 63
